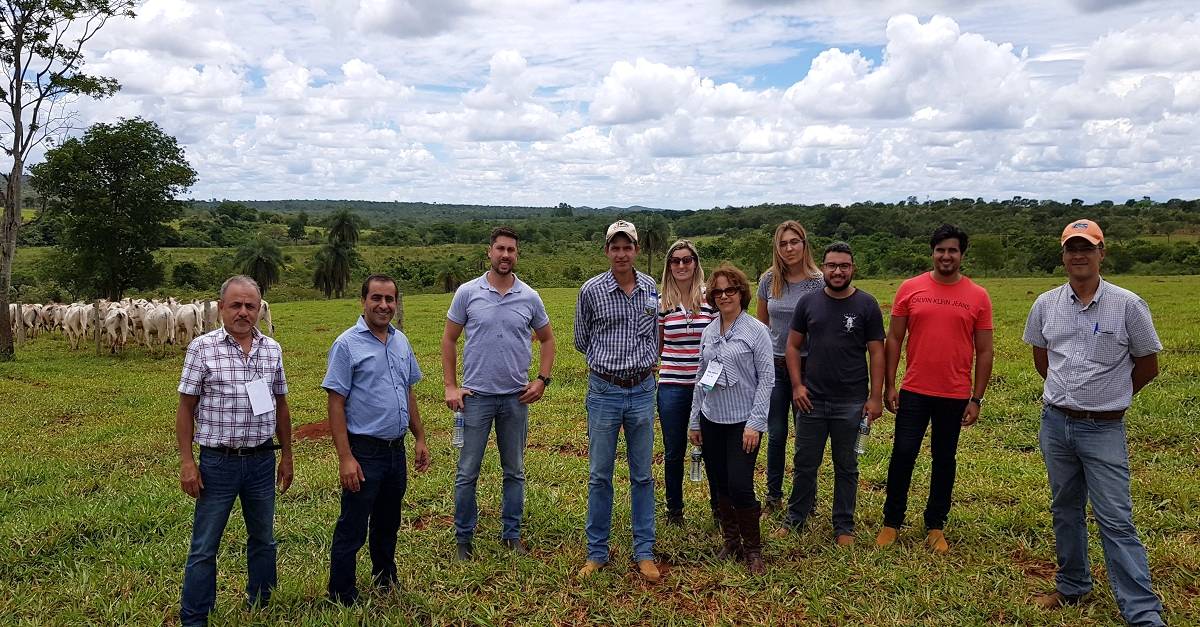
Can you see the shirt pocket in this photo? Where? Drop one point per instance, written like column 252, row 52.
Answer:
column 1109, row 348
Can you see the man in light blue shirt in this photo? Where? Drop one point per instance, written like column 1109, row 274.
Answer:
column 500, row 314
column 371, row 372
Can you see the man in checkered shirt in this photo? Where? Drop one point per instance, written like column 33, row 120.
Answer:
column 1095, row 345
column 232, row 399
column 616, row 328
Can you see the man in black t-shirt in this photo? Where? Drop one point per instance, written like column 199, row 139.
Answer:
column 836, row 390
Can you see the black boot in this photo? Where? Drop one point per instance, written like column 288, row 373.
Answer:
column 747, row 520
column 727, row 517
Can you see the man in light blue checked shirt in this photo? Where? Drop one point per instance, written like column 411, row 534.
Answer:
column 616, row 328
column 1095, row 345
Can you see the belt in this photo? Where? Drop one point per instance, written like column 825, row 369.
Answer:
column 383, row 442
column 781, row 363
column 624, row 382
column 1116, row 414
column 244, row 451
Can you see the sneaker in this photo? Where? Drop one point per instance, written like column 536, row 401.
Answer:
column 936, row 541
column 1054, row 600
column 887, row 536
column 589, row 567
column 675, row 518
column 465, row 551
column 845, row 539
column 515, row 545
column 649, row 570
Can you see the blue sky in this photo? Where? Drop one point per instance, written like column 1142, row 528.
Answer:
column 677, row 103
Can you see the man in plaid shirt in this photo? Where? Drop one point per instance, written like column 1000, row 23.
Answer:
column 232, row 399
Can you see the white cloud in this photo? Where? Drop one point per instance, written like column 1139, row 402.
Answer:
column 409, row 18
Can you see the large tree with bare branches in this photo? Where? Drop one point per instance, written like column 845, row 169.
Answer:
column 41, row 49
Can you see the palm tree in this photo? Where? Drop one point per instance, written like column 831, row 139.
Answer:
column 451, row 275
column 343, row 228
column 654, row 234
column 334, row 263
column 260, row 259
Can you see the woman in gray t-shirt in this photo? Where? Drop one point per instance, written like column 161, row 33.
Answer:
column 792, row 260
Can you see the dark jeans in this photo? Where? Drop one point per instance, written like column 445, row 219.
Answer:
column 376, row 505
column 730, row 469
column 777, row 431
column 511, row 418
column 227, row 478
column 838, row 422
column 674, row 409
column 918, row 411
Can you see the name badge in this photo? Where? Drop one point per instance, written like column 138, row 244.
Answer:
column 711, row 374
column 260, row 397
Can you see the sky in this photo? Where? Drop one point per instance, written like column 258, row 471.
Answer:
column 679, row 104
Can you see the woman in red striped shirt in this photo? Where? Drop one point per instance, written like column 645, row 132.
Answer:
column 682, row 316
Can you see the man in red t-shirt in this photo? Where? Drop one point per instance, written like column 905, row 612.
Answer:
column 948, row 320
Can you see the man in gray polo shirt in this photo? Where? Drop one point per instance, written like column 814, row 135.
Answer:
column 1095, row 345
column 500, row 313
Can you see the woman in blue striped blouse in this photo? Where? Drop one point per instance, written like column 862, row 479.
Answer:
column 729, row 410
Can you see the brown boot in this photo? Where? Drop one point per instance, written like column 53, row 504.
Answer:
column 732, row 548
column 751, row 538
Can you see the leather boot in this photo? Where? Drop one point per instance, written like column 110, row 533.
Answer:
column 751, row 538
column 727, row 516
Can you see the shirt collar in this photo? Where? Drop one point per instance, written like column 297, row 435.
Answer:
column 361, row 326
column 485, row 285
column 611, row 284
column 1095, row 297
column 255, row 335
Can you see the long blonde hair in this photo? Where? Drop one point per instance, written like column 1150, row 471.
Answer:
column 672, row 294
column 779, row 269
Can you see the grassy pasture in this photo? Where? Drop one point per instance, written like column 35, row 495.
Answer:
column 94, row 529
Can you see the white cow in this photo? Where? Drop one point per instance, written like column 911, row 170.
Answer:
column 75, row 323
column 189, row 323
column 116, row 328
column 159, row 326
column 264, row 317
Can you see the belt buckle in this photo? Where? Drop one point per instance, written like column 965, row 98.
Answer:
column 243, row 451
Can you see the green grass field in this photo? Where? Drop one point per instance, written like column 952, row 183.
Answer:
column 94, row 528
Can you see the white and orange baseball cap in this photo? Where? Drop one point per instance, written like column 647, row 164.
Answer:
column 1086, row 229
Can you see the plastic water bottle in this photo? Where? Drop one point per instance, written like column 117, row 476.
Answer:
column 696, row 472
column 864, row 432
column 457, row 438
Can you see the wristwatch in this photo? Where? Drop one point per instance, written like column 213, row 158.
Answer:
column 545, row 380
column 977, row 401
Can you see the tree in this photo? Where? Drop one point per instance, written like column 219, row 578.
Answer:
column 260, row 259
column 41, row 49
column 115, row 189
column 189, row 274
column 654, row 234
column 343, row 228
column 334, row 263
column 450, row 275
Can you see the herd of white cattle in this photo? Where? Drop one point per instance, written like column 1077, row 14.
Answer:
column 155, row 324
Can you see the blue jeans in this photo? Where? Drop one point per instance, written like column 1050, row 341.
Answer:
column 777, row 432
column 374, row 508
column 1087, row 460
column 511, row 418
column 674, row 411
column 226, row 478
column 612, row 408
column 836, row 421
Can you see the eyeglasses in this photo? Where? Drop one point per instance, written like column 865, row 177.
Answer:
column 682, row 261
column 1080, row 250
column 795, row 242
column 728, row 292
column 844, row 267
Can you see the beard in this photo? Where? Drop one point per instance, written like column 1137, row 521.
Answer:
column 841, row 289
column 508, row 270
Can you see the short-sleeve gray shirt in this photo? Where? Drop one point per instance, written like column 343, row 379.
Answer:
column 1091, row 349
column 498, row 350
column 780, row 310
